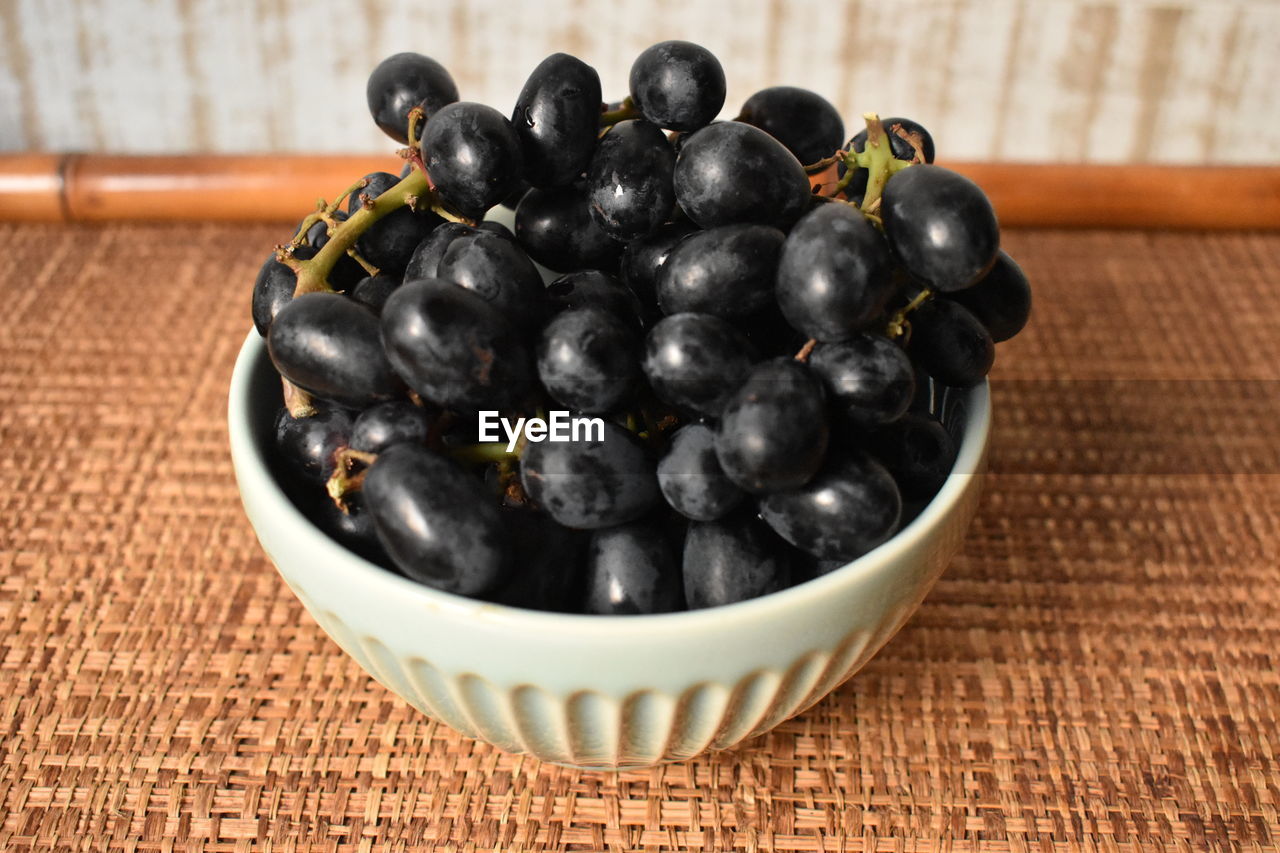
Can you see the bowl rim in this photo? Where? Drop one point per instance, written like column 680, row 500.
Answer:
column 252, row 472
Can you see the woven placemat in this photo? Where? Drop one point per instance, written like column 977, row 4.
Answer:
column 1099, row 669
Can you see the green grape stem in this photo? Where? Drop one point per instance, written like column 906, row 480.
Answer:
column 484, row 453
column 345, row 481
column 899, row 326
column 625, row 111
column 313, row 274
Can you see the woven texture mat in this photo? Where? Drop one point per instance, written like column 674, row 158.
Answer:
column 1099, row 669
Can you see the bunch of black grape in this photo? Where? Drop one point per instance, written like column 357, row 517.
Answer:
column 759, row 313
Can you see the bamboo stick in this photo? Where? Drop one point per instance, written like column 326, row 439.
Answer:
column 101, row 187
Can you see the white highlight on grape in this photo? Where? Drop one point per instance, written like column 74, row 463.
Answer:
column 558, row 426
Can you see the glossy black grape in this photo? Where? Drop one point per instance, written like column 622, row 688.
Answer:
column 691, row 478
column 950, row 343
column 454, row 348
column 678, row 85
column 869, row 376
column 389, row 243
column 273, row 288
column 426, row 257
column 695, row 361
column 773, row 429
column 645, row 256
column 306, row 446
column 731, row 560
column 556, row 228
column 557, row 118
column 353, row 529
column 498, row 228
column 376, row 183
column 473, row 156
column 834, row 274
column 588, row 359
column 394, row 422
column 633, row 568
column 591, row 483
column 901, row 149
column 727, row 271
column 374, row 290
column 497, row 270
column 733, row 172
column 629, row 189
column 548, row 561
column 800, row 119
column 594, row 289
column 328, row 344
column 402, row 82
column 849, row 507
column 436, row 521
column 940, row 226
column 917, row 451
column 1001, row 300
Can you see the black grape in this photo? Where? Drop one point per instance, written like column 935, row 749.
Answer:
column 592, row 482
column 390, row 423
column 557, row 118
column 497, row 270
column 454, row 348
column 556, row 228
column 436, row 521
column 389, row 242
column 374, row 290
column 402, row 82
column 306, row 446
column 472, row 155
column 353, row 528
column 733, row 172
column 731, row 560
column 869, row 376
column 727, row 271
column 547, row 563
column 940, row 226
column 800, row 119
column 328, row 344
column 632, row 568
column 694, row 361
column 1001, row 300
column 629, row 189
column 594, row 289
column 849, row 507
column 678, row 85
column 588, row 359
column 773, row 429
column 950, row 343
column 426, row 257
column 691, row 478
column 273, row 289
column 834, row 274
column 645, row 256
column 498, row 228
column 900, row 148
column 917, row 451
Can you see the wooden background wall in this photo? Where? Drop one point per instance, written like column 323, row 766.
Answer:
column 1181, row 81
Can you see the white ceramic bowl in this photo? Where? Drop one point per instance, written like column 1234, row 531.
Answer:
column 592, row 691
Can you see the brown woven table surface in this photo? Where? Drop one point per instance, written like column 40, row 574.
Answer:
column 1099, row 669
